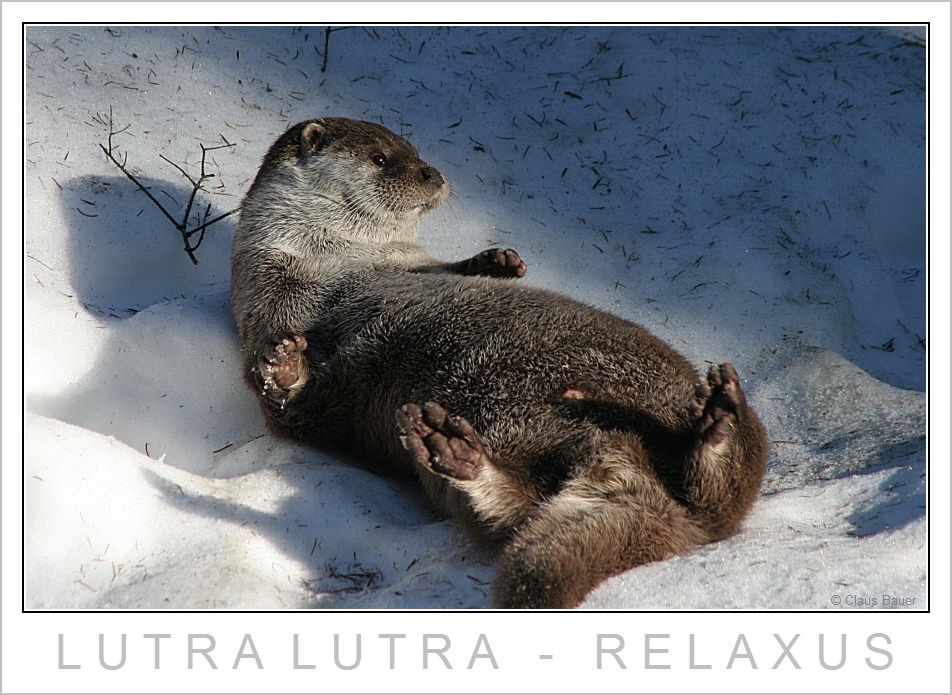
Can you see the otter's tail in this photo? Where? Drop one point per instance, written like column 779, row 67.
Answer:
column 573, row 542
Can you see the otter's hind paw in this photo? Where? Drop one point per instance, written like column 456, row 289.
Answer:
column 442, row 443
column 281, row 365
column 497, row 263
column 718, row 401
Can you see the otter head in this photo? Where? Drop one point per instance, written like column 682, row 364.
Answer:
column 352, row 178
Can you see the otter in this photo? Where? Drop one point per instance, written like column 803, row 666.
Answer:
column 576, row 443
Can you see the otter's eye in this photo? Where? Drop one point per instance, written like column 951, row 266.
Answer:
column 379, row 159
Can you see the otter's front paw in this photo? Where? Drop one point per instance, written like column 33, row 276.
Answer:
column 442, row 443
column 281, row 366
column 497, row 263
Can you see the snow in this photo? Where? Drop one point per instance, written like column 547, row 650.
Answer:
column 755, row 194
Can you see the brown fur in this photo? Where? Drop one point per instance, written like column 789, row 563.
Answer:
column 579, row 441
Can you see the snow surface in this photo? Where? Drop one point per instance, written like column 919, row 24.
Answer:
column 754, row 194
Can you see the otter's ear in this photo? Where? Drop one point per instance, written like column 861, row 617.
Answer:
column 311, row 137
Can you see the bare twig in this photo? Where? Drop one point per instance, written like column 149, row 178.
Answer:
column 327, row 39
column 113, row 154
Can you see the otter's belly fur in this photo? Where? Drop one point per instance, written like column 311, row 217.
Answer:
column 525, row 366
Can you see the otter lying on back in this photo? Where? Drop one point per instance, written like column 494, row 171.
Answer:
column 579, row 441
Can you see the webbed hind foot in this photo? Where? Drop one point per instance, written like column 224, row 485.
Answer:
column 718, row 400
column 280, row 366
column 442, row 443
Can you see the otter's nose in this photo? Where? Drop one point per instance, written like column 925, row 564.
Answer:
column 432, row 176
